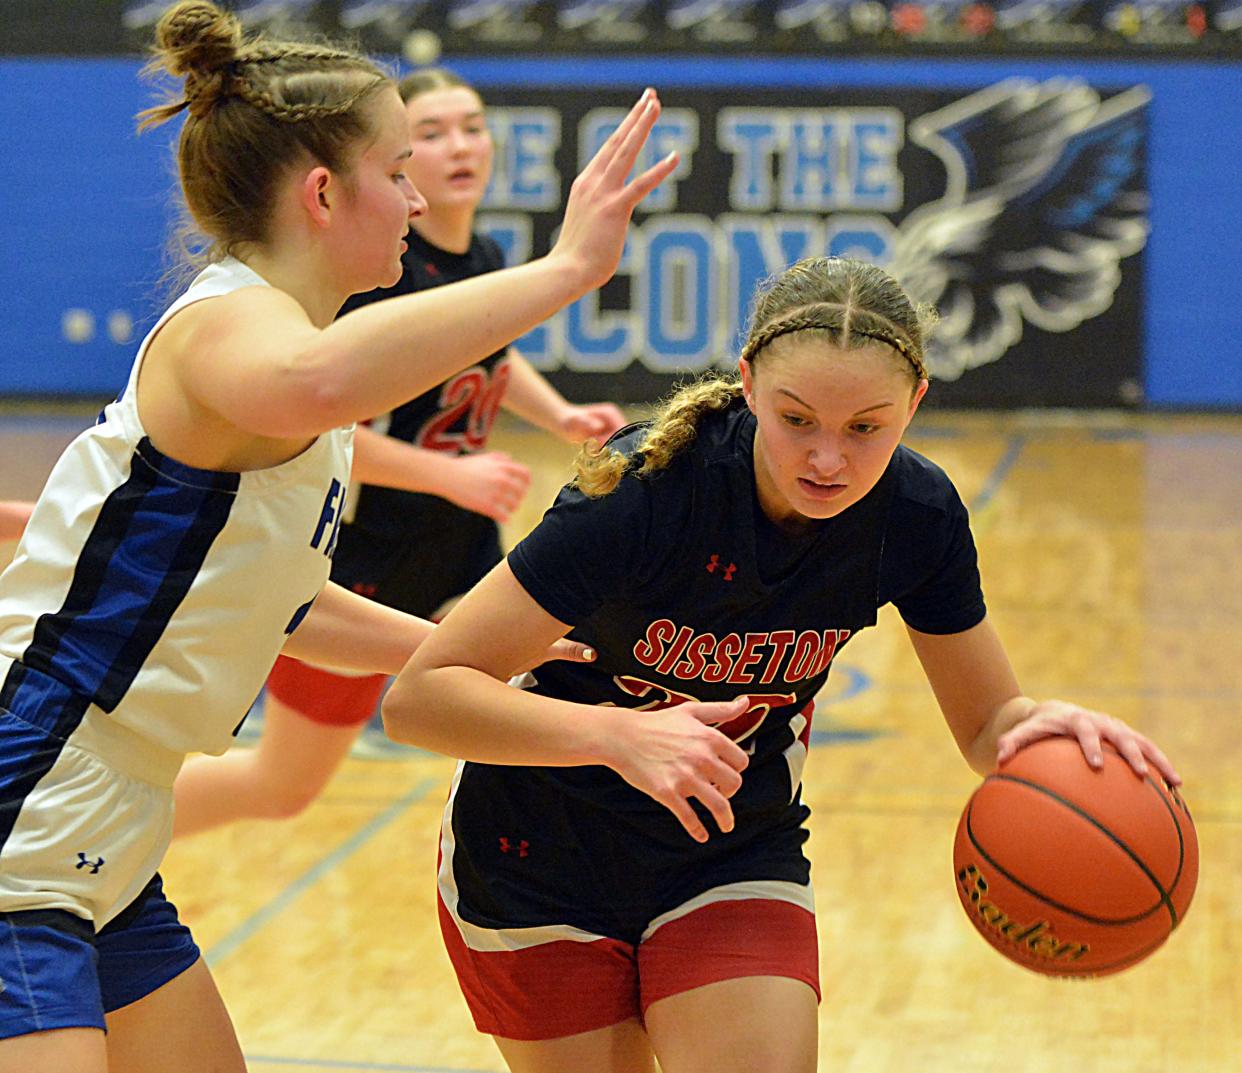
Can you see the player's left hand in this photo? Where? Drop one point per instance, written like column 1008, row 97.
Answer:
column 594, row 421
column 1050, row 718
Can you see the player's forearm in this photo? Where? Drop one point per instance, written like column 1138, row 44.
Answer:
column 391, row 463
column 349, row 632
column 383, row 354
column 532, row 398
column 463, row 712
column 980, row 753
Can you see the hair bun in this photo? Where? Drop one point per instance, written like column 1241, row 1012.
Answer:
column 195, row 38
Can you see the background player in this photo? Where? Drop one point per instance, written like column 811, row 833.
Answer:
column 129, row 630
column 727, row 551
column 422, row 529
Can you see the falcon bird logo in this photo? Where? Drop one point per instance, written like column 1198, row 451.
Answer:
column 1044, row 197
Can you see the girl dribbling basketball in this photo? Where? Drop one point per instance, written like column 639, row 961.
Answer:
column 599, row 914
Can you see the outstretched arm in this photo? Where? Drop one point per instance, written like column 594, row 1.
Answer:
column 450, row 699
column 263, row 366
column 351, row 633
column 533, row 399
column 990, row 718
column 348, row 632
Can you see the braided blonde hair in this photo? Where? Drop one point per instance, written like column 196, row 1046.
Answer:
column 598, row 470
column 255, row 107
column 850, row 304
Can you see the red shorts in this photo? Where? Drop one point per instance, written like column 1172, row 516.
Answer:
column 323, row 696
column 549, row 982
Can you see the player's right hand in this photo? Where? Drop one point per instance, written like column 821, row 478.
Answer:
column 492, row 484
column 1053, row 718
column 597, row 213
column 673, row 755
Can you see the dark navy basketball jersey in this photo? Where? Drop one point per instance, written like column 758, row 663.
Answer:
column 455, row 417
column 687, row 590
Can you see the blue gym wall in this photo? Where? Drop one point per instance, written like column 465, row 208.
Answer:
column 88, row 202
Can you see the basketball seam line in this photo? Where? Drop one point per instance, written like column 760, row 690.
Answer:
column 1177, row 826
column 970, row 832
column 1164, row 895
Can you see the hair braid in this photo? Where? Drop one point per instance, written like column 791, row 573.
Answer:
column 263, row 96
column 823, row 319
column 197, row 42
column 266, row 102
column 598, row 470
column 842, row 320
column 257, row 108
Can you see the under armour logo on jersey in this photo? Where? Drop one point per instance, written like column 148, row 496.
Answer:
column 714, row 563
column 521, row 846
column 85, row 862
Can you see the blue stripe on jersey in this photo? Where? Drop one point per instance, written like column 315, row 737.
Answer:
column 143, row 554
column 38, row 714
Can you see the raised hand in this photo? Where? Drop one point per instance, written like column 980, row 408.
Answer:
column 601, row 202
column 674, row 755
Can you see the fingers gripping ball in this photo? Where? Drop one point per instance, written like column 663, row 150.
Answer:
column 1071, row 871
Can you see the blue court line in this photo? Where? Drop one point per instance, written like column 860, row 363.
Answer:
column 222, row 949
column 825, row 730
column 999, row 472
column 369, row 1067
column 843, row 735
column 855, row 679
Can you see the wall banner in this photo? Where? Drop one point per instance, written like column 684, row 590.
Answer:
column 1019, row 210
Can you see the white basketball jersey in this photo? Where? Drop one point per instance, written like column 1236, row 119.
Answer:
column 156, row 595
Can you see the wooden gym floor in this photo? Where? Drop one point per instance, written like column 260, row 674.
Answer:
column 1110, row 546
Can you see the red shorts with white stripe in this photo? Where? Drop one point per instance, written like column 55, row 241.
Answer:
column 548, row 982
column 325, row 697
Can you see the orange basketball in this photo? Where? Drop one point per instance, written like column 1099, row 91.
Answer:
column 1072, row 871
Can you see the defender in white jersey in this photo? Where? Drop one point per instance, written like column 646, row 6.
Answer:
column 130, row 626
column 131, row 600
column 426, row 494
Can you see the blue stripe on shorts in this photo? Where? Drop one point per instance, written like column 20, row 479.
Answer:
column 55, row 972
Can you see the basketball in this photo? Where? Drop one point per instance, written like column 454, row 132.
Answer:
column 1073, row 871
